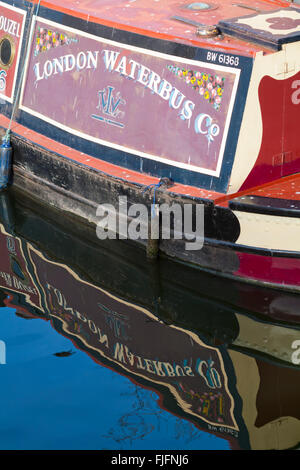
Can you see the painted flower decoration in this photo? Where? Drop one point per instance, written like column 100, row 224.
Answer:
column 283, row 23
column 209, row 86
column 46, row 39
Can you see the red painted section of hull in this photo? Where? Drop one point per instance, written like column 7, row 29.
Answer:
column 279, row 154
column 279, row 270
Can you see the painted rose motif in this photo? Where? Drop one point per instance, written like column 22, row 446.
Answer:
column 283, row 23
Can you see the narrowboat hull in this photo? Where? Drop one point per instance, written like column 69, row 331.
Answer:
column 101, row 108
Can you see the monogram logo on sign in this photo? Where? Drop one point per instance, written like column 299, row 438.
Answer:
column 109, row 104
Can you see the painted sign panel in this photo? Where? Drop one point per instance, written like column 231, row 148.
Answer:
column 12, row 21
column 14, row 273
column 154, row 105
column 133, row 339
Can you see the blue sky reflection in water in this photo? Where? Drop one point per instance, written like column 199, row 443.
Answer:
column 71, row 402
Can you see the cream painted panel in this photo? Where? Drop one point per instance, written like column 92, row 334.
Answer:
column 268, row 231
column 279, row 65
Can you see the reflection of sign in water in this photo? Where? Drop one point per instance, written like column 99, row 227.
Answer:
column 14, row 273
column 135, row 340
column 189, row 117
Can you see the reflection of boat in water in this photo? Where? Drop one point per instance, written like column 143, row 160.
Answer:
column 131, row 276
column 130, row 98
column 210, row 363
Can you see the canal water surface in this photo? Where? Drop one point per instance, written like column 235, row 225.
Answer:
column 100, row 349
